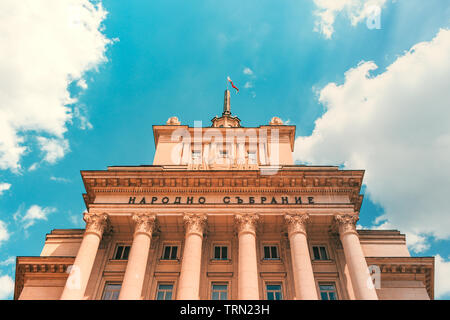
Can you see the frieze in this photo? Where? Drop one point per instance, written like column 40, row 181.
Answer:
column 225, row 182
column 248, row 200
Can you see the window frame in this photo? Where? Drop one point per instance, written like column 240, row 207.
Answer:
column 252, row 160
column 270, row 245
column 196, row 159
column 170, row 244
column 220, row 245
column 106, row 284
column 274, row 283
column 165, row 292
column 116, row 248
column 319, row 251
column 215, row 282
column 329, row 283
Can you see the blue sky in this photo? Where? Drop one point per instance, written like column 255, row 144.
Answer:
column 145, row 61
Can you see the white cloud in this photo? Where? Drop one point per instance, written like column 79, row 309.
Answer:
column 54, row 149
column 77, row 220
column 34, row 213
column 6, row 287
column 396, row 126
column 44, row 46
column 248, row 85
column 442, row 276
column 80, row 113
column 59, row 179
column 355, row 10
column 82, row 84
column 247, row 71
column 4, row 186
column 7, row 262
column 33, row 167
column 4, row 234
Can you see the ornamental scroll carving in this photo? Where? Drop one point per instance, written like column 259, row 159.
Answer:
column 246, row 222
column 195, row 223
column 346, row 223
column 95, row 222
column 144, row 223
column 297, row 222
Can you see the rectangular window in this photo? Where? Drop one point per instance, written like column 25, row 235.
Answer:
column 196, row 155
column 111, row 291
column 274, row 292
column 271, row 253
column 320, row 253
column 219, row 291
column 170, row 253
column 327, row 291
column 220, row 253
column 164, row 291
column 223, row 153
column 122, row 252
column 252, row 157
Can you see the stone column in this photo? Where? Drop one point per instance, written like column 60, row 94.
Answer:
column 137, row 261
column 248, row 288
column 354, row 257
column 305, row 286
column 81, row 269
column 189, row 283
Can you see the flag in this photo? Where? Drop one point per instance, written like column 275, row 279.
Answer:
column 228, row 78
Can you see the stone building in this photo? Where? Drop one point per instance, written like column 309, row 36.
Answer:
column 223, row 213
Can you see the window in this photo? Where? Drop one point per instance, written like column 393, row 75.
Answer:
column 164, row 291
column 271, row 253
column 220, row 253
column 111, row 291
column 223, row 153
column 196, row 155
column 252, row 157
column 320, row 253
column 170, row 253
column 122, row 252
column 327, row 291
column 219, row 291
column 273, row 292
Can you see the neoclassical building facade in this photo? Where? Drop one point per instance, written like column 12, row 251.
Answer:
column 223, row 213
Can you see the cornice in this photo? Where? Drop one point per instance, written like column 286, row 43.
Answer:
column 39, row 266
column 407, row 265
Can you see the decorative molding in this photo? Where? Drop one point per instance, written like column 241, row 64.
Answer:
column 246, row 223
column 144, row 223
column 220, row 274
column 346, row 223
column 298, row 179
column 40, row 266
column 422, row 268
column 95, row 223
column 195, row 223
column 297, row 222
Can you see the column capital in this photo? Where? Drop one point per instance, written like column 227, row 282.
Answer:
column 246, row 223
column 144, row 223
column 296, row 222
column 95, row 223
column 195, row 223
column 346, row 223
